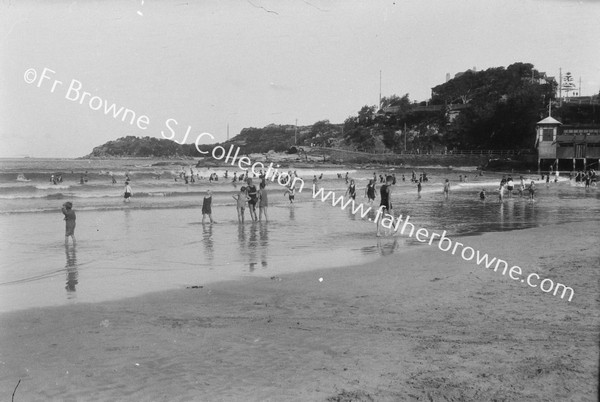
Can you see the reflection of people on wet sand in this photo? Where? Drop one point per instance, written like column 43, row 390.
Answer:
column 72, row 274
column 387, row 249
column 207, row 240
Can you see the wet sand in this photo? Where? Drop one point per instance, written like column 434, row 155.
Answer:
column 421, row 325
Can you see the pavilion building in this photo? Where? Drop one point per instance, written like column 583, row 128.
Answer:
column 567, row 147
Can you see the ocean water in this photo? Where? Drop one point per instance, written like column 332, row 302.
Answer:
column 158, row 242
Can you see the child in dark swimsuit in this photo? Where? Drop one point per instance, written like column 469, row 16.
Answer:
column 207, row 207
column 69, row 221
column 386, row 200
column 351, row 190
column 370, row 192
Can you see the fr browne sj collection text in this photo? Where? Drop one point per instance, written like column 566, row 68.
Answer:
column 76, row 93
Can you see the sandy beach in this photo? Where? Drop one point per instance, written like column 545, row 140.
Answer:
column 421, row 325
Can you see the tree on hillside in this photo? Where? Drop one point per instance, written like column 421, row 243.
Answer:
column 504, row 106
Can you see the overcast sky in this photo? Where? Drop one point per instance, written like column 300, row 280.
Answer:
column 255, row 62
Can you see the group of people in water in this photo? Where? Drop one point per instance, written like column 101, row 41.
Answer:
column 507, row 185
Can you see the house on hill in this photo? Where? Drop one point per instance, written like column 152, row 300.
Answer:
column 567, row 147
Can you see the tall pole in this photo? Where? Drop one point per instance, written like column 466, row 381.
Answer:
column 379, row 89
column 227, row 131
column 295, row 132
column 559, row 87
column 405, row 133
column 579, row 86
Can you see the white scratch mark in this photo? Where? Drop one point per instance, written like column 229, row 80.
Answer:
column 269, row 11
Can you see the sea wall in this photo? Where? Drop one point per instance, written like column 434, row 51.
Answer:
column 519, row 161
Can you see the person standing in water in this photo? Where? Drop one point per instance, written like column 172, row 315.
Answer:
column 241, row 198
column 207, row 207
column 263, row 202
column 67, row 210
column 509, row 186
column 128, row 192
column 386, row 201
column 446, row 188
column 292, row 192
column 370, row 190
column 351, row 190
column 531, row 190
column 253, row 194
column 419, row 187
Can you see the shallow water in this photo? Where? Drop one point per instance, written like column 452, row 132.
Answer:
column 158, row 243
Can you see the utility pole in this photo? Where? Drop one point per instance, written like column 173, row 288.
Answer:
column 227, row 131
column 405, row 133
column 295, row 133
column 560, row 83
column 379, row 90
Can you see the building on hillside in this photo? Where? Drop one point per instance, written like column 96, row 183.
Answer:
column 567, row 147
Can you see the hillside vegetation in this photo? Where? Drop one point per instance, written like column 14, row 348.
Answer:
column 494, row 109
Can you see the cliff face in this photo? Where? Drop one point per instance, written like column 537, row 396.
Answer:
column 141, row 147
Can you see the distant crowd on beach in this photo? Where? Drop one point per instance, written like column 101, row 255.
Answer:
column 250, row 197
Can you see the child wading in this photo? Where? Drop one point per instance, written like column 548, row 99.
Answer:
column 446, row 188
column 263, row 202
column 386, row 203
column 70, row 221
column 241, row 198
column 291, row 191
column 128, row 192
column 207, row 207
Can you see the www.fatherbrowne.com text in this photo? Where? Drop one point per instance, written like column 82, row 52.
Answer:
column 444, row 243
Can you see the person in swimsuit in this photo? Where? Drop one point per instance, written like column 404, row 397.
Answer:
column 207, row 207
column 241, row 200
column 509, row 186
column 253, row 194
column 69, row 221
column 386, row 201
column 128, row 192
column 291, row 191
column 446, row 188
column 370, row 191
column 351, row 190
column 419, row 187
column 531, row 190
column 482, row 195
column 263, row 202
